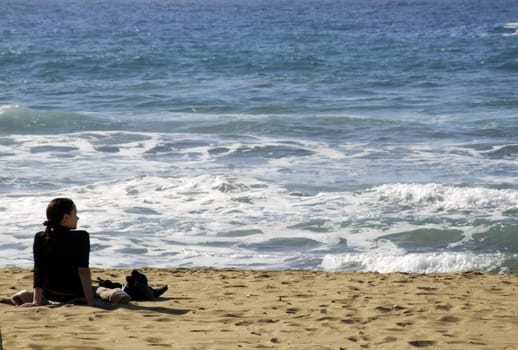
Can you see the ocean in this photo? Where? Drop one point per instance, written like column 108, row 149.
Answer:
column 343, row 135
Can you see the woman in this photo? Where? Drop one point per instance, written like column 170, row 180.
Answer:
column 61, row 263
column 61, row 259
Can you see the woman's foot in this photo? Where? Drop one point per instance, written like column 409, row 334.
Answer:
column 20, row 298
column 9, row 301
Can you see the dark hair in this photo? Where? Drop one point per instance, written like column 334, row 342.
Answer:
column 56, row 210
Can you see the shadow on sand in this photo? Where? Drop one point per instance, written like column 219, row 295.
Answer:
column 159, row 309
column 135, row 307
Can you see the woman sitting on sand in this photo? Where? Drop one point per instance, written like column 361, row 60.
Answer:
column 61, row 260
column 61, row 267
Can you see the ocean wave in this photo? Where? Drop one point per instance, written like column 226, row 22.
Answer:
column 238, row 220
column 442, row 197
column 511, row 29
column 15, row 119
column 432, row 262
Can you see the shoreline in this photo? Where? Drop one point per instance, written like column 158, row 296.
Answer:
column 278, row 309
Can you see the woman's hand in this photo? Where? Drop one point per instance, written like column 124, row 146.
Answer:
column 29, row 305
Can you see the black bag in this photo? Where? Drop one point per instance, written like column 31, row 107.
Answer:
column 137, row 287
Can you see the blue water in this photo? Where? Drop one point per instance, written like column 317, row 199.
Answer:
column 377, row 135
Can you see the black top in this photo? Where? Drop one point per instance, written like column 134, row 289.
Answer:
column 57, row 259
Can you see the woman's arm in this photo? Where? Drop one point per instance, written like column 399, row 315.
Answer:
column 38, row 296
column 86, row 282
column 39, row 265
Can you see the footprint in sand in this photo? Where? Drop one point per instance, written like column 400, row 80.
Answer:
column 348, row 321
column 421, row 343
column 385, row 308
column 445, row 307
column 292, row 310
column 449, row 319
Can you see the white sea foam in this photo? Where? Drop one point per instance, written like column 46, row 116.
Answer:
column 7, row 108
column 413, row 262
column 221, row 220
column 173, row 199
column 437, row 197
column 511, row 26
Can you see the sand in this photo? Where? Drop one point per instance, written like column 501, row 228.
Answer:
column 242, row 309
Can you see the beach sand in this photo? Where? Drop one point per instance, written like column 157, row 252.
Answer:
column 243, row 309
